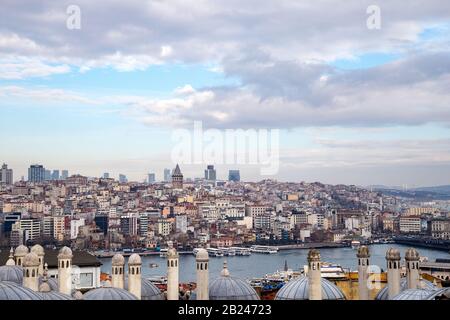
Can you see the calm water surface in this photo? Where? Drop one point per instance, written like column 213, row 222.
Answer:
column 257, row 265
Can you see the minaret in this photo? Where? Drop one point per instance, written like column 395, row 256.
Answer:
column 412, row 268
column 65, row 270
column 11, row 261
column 363, row 262
column 39, row 251
column 44, row 287
column 314, row 276
column 20, row 252
column 202, row 259
column 31, row 271
column 118, row 271
column 225, row 272
column 393, row 272
column 172, row 273
column 134, row 275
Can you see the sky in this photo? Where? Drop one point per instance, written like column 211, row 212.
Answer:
column 105, row 90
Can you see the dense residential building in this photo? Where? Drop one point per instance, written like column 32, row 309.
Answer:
column 440, row 228
column 410, row 224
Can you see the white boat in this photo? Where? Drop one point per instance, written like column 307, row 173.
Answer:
column 214, row 252
column 241, row 251
column 264, row 249
column 355, row 244
column 227, row 251
column 158, row 280
column 163, row 252
column 332, row 271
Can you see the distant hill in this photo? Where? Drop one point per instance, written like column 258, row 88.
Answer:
column 421, row 193
column 437, row 189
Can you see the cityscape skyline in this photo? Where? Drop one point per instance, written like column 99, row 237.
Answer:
column 198, row 173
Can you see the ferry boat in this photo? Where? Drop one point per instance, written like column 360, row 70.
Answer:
column 228, row 251
column 355, row 244
column 332, row 271
column 214, row 252
column 153, row 265
column 158, row 280
column 163, row 252
column 264, row 249
column 242, row 251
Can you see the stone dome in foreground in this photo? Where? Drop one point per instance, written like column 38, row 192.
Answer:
column 226, row 287
column 298, row 289
column 13, row 291
column 109, row 293
column 11, row 274
column 413, row 294
column 423, row 284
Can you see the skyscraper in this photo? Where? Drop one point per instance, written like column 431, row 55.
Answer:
column 6, row 175
column 55, row 175
column 64, row 174
column 210, row 173
column 151, row 178
column 166, row 175
column 234, row 175
column 47, row 175
column 123, row 178
column 106, row 175
column 177, row 178
column 36, row 173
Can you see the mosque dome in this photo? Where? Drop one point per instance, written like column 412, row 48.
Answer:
column 148, row 290
column 413, row 294
column 13, row 291
column 440, row 294
column 202, row 254
column 226, row 287
column 393, row 254
column 21, row 251
column 53, row 295
column 118, row 260
column 134, row 259
column 38, row 249
column 412, row 254
column 298, row 289
column 65, row 253
column 51, row 282
column 423, row 284
column 31, row 260
column 11, row 274
column 108, row 293
column 78, row 295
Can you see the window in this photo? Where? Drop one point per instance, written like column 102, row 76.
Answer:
column 86, row 280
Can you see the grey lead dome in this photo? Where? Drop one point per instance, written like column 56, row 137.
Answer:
column 13, row 291
column 413, row 294
column 423, row 284
column 230, row 288
column 298, row 289
column 11, row 274
column 109, row 293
